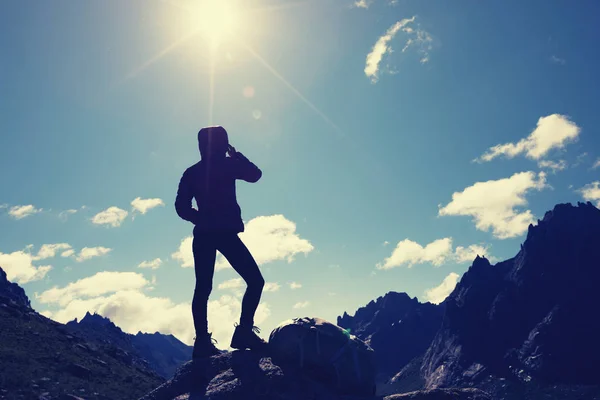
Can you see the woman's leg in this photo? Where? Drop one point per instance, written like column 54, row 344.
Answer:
column 236, row 252
column 204, row 249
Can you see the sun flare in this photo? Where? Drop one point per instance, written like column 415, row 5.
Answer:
column 215, row 20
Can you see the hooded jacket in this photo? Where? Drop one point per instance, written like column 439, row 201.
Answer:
column 212, row 183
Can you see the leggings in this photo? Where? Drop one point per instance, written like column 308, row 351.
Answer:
column 205, row 246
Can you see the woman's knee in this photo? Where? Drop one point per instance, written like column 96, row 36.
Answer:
column 257, row 283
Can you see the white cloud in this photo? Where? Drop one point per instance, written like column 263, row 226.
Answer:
column 50, row 250
column 302, row 304
column 68, row 253
column 20, row 212
column 272, row 287
column 184, row 254
column 409, row 253
column 591, row 192
column 382, row 47
column 234, row 283
column 119, row 297
column 153, row 264
column 596, row 164
column 439, row 293
column 144, row 205
column 494, row 205
column 554, row 166
column 19, row 267
column 112, row 216
column 295, row 285
column 552, row 132
column 271, row 238
column 64, row 215
column 90, row 252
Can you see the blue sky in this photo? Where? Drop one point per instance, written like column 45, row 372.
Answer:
column 375, row 124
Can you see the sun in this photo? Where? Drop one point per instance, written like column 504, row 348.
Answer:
column 215, row 20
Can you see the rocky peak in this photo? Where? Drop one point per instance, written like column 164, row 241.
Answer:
column 12, row 292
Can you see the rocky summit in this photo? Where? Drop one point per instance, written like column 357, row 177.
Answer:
column 245, row 375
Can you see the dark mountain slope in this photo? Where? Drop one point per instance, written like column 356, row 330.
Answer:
column 40, row 359
column 532, row 317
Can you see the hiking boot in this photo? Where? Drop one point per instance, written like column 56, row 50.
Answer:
column 204, row 346
column 245, row 337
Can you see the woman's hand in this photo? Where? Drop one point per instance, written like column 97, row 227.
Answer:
column 231, row 151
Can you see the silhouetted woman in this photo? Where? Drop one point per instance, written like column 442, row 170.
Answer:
column 217, row 223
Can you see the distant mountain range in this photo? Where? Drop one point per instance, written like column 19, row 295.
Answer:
column 161, row 353
column 526, row 327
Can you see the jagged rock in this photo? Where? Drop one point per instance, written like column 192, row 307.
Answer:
column 530, row 317
column 12, row 292
column 398, row 327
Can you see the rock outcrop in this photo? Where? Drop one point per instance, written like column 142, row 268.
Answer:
column 530, row 317
column 397, row 327
column 243, row 375
column 11, row 292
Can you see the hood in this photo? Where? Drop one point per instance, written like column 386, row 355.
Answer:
column 213, row 142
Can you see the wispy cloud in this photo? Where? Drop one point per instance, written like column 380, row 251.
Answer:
column 557, row 60
column 20, row 212
column 381, row 47
column 552, row 132
column 362, row 3
column 64, row 215
column 554, row 166
column 153, row 264
column 496, row 204
column 302, row 304
column 272, row 287
column 112, row 216
column 596, row 164
column 50, row 250
column 295, row 285
column 417, row 38
column 144, row 205
column 90, row 252
column 439, row 293
column 234, row 283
